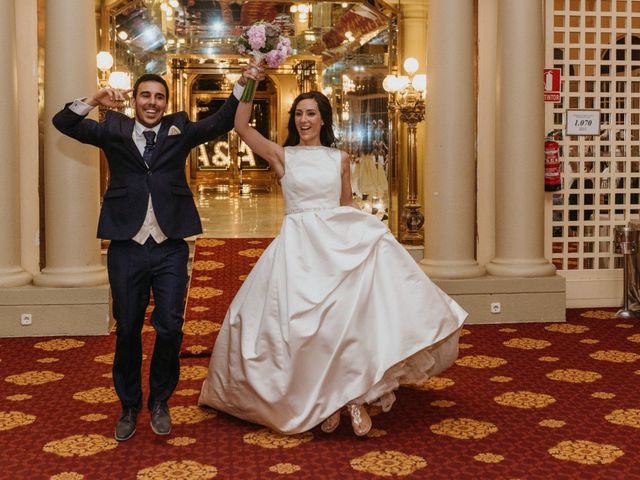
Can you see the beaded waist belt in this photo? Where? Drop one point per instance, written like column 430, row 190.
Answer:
column 304, row 210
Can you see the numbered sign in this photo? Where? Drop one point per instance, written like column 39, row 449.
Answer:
column 583, row 122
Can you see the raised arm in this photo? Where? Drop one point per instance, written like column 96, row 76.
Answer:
column 109, row 97
column 346, row 195
column 221, row 121
column 214, row 125
column 72, row 122
column 270, row 151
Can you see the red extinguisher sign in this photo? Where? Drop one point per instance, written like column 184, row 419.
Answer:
column 552, row 180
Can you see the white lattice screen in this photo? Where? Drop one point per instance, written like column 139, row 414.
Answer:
column 596, row 44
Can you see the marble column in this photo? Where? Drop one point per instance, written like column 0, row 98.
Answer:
column 450, row 173
column 72, row 169
column 12, row 274
column 519, row 185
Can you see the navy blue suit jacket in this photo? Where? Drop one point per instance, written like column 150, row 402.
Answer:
column 124, row 205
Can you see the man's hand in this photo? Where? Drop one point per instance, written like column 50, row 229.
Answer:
column 109, row 97
column 253, row 71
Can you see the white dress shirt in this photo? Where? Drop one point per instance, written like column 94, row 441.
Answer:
column 150, row 225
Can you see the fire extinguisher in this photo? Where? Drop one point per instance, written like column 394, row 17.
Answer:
column 552, row 180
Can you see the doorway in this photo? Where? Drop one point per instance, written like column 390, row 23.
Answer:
column 226, row 162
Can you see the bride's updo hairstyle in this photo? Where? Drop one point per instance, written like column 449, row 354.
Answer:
column 327, row 138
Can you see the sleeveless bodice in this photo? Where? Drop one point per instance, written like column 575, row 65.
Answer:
column 311, row 180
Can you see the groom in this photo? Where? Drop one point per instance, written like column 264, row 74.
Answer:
column 147, row 211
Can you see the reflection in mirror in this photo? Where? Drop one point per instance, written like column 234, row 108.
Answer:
column 345, row 49
column 145, row 32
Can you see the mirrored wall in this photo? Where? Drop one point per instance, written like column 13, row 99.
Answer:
column 344, row 49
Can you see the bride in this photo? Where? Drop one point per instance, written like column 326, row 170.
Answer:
column 336, row 314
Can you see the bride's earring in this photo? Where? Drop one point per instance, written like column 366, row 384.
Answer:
column 331, row 423
column 360, row 419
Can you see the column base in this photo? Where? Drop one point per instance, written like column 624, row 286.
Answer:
column 72, row 277
column 517, row 299
column 14, row 278
column 55, row 311
column 520, row 268
column 451, row 268
column 412, row 239
column 416, row 251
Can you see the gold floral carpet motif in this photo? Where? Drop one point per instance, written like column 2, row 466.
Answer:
column 524, row 401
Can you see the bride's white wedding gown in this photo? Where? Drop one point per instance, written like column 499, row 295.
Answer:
column 335, row 310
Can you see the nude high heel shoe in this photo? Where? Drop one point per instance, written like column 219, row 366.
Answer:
column 360, row 419
column 331, row 423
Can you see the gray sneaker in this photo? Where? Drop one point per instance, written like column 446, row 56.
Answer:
column 160, row 419
column 126, row 425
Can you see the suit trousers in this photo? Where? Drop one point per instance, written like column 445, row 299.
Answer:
column 134, row 272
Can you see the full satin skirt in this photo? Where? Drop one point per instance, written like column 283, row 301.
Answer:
column 334, row 311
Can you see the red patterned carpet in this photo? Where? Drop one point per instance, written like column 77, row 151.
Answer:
column 525, row 401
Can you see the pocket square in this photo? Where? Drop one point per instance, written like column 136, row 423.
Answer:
column 173, row 130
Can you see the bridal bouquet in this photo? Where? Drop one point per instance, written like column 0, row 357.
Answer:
column 265, row 43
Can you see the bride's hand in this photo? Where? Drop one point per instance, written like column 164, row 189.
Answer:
column 253, row 71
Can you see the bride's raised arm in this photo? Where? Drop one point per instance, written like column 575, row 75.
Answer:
column 270, row 151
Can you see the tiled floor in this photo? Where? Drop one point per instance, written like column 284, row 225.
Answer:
column 226, row 213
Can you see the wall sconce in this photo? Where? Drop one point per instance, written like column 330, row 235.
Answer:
column 406, row 96
column 115, row 79
column 120, row 80
column 104, row 62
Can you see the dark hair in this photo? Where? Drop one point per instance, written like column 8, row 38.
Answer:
column 150, row 77
column 327, row 137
